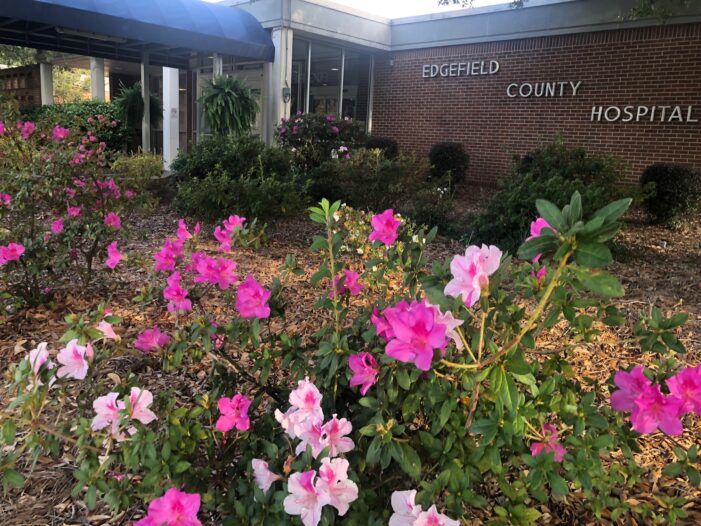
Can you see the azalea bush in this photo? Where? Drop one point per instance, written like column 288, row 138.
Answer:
column 61, row 208
column 424, row 394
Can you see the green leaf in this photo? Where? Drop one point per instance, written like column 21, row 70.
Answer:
column 538, row 245
column 9, row 431
column 601, row 283
column 593, row 255
column 613, row 211
column 14, row 478
column 551, row 213
column 672, row 470
column 575, row 208
column 181, row 467
column 373, row 455
column 558, row 484
column 91, row 497
column 412, row 462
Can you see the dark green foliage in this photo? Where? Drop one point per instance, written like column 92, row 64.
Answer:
column 675, row 191
column 389, row 147
column 449, row 158
column 130, row 107
column 553, row 173
column 75, row 115
column 229, row 105
column 223, row 176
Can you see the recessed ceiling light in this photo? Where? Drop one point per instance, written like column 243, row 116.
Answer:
column 334, row 69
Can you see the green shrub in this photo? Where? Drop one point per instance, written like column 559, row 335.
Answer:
column 675, row 191
column 389, row 147
column 449, row 158
column 140, row 171
column 75, row 116
column 369, row 180
column 313, row 138
column 553, row 173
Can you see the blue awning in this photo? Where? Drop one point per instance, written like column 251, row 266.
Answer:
column 170, row 31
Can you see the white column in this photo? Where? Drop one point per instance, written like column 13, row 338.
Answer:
column 46, row 79
column 280, row 76
column 97, row 78
column 171, row 115
column 145, row 93
column 217, row 65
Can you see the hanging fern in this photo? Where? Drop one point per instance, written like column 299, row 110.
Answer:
column 229, row 105
column 130, row 106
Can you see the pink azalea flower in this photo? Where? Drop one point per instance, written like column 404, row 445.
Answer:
column 335, row 436
column 433, row 518
column 113, row 220
column 305, row 409
column 471, row 273
column 176, row 294
column 113, row 255
column 107, row 410
column 139, row 402
column 537, row 227
column 74, row 211
column 654, row 410
column 405, row 508
column 129, row 194
column 151, row 339
column 264, row 477
column 451, row 325
column 183, row 234
column 252, row 299
column 107, row 329
column 686, row 385
column 549, row 444
column 382, row 326
column 217, row 271
column 305, row 499
column 224, row 238
column 365, row 370
column 234, row 222
column 11, row 252
column 234, row 414
column 5, row 199
column 542, row 272
column 37, row 359
column 631, row 385
column 350, row 284
column 2, row 128
column 166, row 258
column 175, row 508
column 58, row 134
column 26, row 129
column 385, row 227
column 417, row 335
column 74, row 361
column 57, row 226
column 334, row 482
column 312, row 435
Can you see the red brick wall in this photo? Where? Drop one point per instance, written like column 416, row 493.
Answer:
column 659, row 65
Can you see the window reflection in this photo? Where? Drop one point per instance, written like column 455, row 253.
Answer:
column 356, row 86
column 325, row 79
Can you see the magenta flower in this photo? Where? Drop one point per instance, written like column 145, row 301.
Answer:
column 471, row 273
column 333, row 482
column 405, row 509
column 351, row 284
column 151, row 340
column 217, row 271
column 540, row 275
column 107, row 410
column 176, row 295
column 59, row 134
column 74, row 360
column 334, row 130
column 654, row 410
column 113, row 221
column 264, row 477
column 433, row 518
column 224, row 237
column 305, row 499
column 382, row 326
column 365, row 370
column 26, row 129
column 335, row 436
column 139, row 402
column 417, row 335
column 686, row 385
column 5, row 199
column 252, row 299
column 11, row 252
column 630, row 385
column 57, row 226
column 234, row 414
column 74, row 211
column 385, row 227
column 305, row 410
column 537, row 227
column 2, row 128
column 166, row 258
column 234, row 222
column 113, row 255
column 182, row 233
column 175, row 508
column 549, row 444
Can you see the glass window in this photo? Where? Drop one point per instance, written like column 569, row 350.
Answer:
column 300, row 57
column 325, row 84
column 356, row 86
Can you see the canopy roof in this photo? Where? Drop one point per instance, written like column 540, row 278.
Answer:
column 170, row 31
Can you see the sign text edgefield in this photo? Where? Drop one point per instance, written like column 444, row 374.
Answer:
column 460, row 69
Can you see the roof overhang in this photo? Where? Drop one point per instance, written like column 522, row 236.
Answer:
column 169, row 31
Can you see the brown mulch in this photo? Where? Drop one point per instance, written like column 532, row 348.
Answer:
column 657, row 266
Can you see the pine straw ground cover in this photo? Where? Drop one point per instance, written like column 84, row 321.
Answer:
column 657, row 266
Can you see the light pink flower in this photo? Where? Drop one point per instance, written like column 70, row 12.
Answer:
column 175, row 508
column 335, row 436
column 471, row 273
column 405, row 508
column 305, row 499
column 74, row 360
column 113, row 255
column 58, row 134
column 451, row 325
column 234, row 414
column 549, row 444
column 312, row 435
column 11, row 252
column 433, row 518
column 686, row 385
column 5, row 199
column 37, row 359
column 385, row 227
column 151, row 339
column 654, row 410
column 107, row 410
column 630, row 385
column 107, row 329
column 264, row 477
column 113, row 221
column 176, row 295
column 139, row 402
column 252, row 299
column 305, row 409
column 334, row 482
column 57, row 226
column 365, row 370
column 417, row 335
column 351, row 284
column 74, row 211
